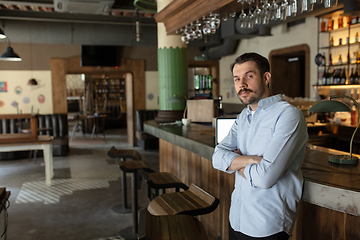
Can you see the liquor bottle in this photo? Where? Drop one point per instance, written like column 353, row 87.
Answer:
column 336, row 77
column 348, row 58
column 340, row 60
column 357, row 37
column 356, row 76
column 328, row 77
column 323, row 61
column 340, row 22
column 324, row 78
column 343, row 77
column 331, row 41
column 330, row 60
column 331, row 76
column 323, row 26
column 209, row 82
column 197, row 82
column 352, row 79
column 330, row 24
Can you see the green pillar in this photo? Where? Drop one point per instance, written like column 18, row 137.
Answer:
column 173, row 78
column 173, row 73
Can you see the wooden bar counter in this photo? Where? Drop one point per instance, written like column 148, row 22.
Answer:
column 330, row 207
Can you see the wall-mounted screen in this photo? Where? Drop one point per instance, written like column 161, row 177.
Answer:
column 223, row 126
column 100, row 56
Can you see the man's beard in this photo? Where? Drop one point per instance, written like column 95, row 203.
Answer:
column 254, row 98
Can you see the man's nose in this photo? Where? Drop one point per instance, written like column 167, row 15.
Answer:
column 242, row 83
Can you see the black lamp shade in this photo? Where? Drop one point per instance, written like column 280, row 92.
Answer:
column 2, row 34
column 10, row 55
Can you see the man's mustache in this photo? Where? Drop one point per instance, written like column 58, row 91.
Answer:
column 244, row 90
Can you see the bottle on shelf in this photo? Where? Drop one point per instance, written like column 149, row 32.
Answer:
column 330, row 24
column 347, row 21
column 352, row 79
column 330, row 60
column 336, row 77
column 323, row 25
column 323, row 61
column 356, row 76
column 340, row 22
column 340, row 60
column 324, row 78
column 357, row 37
column 331, row 41
column 343, row 77
column 348, row 58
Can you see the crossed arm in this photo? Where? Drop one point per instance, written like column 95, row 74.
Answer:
column 240, row 162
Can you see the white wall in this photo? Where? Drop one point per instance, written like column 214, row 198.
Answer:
column 305, row 33
column 26, row 96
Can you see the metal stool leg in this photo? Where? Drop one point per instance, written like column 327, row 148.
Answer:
column 126, row 233
column 122, row 208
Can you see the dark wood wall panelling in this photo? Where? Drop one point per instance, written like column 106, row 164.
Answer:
column 313, row 222
column 191, row 168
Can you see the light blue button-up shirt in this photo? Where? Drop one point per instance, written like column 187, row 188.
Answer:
column 265, row 202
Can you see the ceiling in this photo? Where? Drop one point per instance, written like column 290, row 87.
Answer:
column 122, row 12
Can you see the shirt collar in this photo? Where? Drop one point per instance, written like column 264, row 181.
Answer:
column 267, row 102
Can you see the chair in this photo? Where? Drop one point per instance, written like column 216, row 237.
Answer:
column 123, row 154
column 194, row 201
column 160, row 181
column 132, row 167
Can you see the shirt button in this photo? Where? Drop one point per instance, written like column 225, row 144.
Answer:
column 239, row 183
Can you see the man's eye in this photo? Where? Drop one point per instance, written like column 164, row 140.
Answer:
column 249, row 76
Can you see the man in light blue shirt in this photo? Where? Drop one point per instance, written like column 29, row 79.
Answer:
column 265, row 148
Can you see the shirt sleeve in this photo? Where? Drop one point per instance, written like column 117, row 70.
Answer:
column 289, row 138
column 223, row 154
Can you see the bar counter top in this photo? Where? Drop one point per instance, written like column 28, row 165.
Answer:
column 329, row 185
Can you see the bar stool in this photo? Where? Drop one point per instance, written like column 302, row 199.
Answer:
column 123, row 154
column 132, row 167
column 171, row 227
column 194, row 201
column 160, row 180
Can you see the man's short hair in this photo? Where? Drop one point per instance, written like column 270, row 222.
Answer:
column 262, row 63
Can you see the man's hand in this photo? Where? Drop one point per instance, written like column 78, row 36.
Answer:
column 240, row 162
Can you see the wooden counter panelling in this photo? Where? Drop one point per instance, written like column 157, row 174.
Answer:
column 192, row 168
column 331, row 197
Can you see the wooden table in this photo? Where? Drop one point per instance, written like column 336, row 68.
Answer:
column 43, row 142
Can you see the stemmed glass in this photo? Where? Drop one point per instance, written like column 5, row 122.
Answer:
column 304, row 6
column 250, row 18
column 242, row 15
column 312, row 2
column 273, row 10
column 284, row 8
column 289, row 9
column 265, row 14
column 198, row 32
column 294, row 7
column 257, row 14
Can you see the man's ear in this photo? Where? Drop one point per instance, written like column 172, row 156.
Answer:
column 267, row 78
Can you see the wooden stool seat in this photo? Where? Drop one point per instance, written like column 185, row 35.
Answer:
column 194, row 201
column 173, row 227
column 133, row 166
column 124, row 153
column 161, row 180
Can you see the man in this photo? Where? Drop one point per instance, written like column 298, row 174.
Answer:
column 265, row 148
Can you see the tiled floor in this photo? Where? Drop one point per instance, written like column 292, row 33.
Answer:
column 78, row 204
